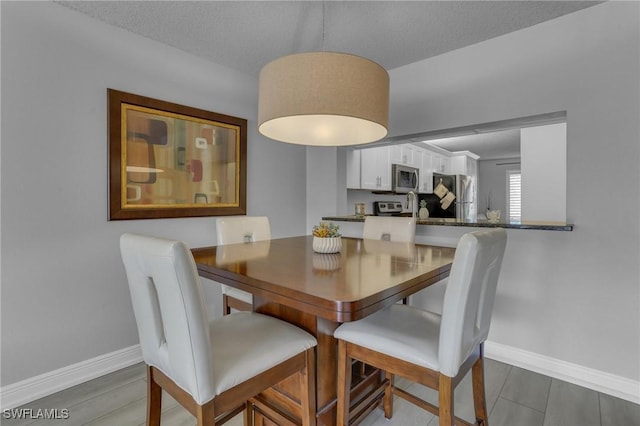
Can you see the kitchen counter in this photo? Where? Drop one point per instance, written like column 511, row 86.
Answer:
column 539, row 225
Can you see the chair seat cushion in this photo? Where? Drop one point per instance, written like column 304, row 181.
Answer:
column 237, row 294
column 248, row 343
column 400, row 331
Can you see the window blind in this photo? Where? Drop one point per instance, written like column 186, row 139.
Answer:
column 514, row 194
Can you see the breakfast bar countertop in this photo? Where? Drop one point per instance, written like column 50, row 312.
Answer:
column 539, row 225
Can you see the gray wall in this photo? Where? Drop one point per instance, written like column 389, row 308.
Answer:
column 569, row 296
column 543, row 152
column 492, row 182
column 64, row 294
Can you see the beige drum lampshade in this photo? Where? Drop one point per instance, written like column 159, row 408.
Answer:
column 323, row 99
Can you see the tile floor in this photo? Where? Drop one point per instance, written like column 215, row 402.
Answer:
column 515, row 397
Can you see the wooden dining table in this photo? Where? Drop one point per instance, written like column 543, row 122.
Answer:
column 318, row 292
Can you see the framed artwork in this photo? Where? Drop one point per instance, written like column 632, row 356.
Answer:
column 168, row 160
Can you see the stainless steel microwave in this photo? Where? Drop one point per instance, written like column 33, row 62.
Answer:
column 404, row 178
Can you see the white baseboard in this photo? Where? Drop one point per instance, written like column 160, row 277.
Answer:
column 597, row 380
column 19, row 393
column 28, row 390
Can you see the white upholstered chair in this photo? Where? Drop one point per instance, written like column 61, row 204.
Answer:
column 240, row 229
column 391, row 228
column 434, row 350
column 212, row 368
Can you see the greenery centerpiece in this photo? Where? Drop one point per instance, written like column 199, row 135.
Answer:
column 326, row 238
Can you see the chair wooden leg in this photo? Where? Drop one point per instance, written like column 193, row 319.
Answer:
column 248, row 414
column 388, row 395
column 154, row 399
column 479, row 400
column 308, row 389
column 205, row 415
column 445, row 399
column 344, row 384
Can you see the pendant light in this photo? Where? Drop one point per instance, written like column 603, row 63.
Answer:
column 323, row 99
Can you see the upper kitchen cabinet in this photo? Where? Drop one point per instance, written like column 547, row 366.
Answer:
column 441, row 164
column 426, row 171
column 375, row 168
column 464, row 163
column 431, row 162
column 405, row 154
column 370, row 168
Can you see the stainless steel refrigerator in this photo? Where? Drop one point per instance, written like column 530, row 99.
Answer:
column 452, row 197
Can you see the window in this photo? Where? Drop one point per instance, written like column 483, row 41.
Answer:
column 514, row 194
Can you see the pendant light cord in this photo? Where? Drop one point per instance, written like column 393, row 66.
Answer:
column 323, row 13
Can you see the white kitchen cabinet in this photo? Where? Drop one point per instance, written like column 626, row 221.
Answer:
column 405, row 154
column 410, row 155
column 459, row 165
column 472, row 167
column 426, row 172
column 373, row 171
column 464, row 164
column 445, row 164
column 375, row 168
column 395, row 154
column 441, row 164
column 353, row 168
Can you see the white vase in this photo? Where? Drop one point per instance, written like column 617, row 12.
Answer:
column 327, row 245
column 423, row 213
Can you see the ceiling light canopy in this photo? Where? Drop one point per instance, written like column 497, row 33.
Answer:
column 323, row 99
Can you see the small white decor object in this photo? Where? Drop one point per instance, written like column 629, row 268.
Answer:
column 493, row 215
column 326, row 238
column 423, row 213
column 327, row 245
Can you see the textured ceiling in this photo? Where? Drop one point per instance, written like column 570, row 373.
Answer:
column 245, row 35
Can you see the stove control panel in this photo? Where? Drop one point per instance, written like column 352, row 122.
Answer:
column 387, row 208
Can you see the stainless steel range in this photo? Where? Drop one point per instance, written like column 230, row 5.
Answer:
column 387, row 208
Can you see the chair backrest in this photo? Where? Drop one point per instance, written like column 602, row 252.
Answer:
column 242, row 229
column 468, row 300
column 399, row 229
column 170, row 312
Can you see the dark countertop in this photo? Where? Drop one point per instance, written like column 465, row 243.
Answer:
column 544, row 226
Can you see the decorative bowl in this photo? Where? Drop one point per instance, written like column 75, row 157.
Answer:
column 327, row 245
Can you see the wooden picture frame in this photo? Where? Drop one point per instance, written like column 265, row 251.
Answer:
column 168, row 160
